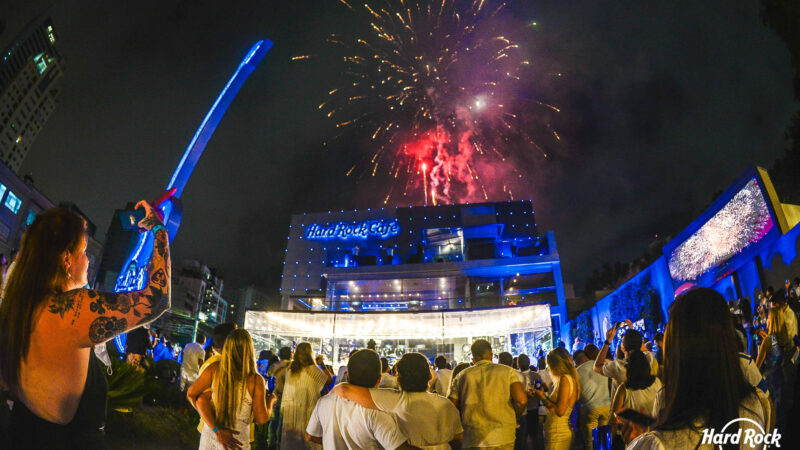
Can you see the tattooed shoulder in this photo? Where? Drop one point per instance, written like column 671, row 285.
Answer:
column 63, row 302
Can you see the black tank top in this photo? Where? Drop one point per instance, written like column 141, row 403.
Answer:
column 85, row 431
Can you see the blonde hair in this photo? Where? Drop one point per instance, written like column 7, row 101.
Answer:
column 560, row 364
column 229, row 387
column 776, row 325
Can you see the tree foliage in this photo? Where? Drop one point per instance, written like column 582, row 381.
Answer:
column 637, row 300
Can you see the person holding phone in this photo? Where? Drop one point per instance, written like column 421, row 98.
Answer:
column 557, row 431
column 617, row 369
column 49, row 325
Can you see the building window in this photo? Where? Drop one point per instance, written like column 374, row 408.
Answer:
column 2, row 190
column 13, row 202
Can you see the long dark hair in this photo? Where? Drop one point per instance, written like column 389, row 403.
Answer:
column 702, row 375
column 638, row 373
column 38, row 273
column 302, row 358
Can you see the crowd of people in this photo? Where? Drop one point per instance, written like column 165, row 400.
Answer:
column 717, row 365
column 644, row 394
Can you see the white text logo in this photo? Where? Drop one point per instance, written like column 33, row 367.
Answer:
column 747, row 436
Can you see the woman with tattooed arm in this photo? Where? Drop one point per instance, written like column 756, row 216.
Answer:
column 49, row 325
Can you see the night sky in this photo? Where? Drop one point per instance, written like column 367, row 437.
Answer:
column 663, row 104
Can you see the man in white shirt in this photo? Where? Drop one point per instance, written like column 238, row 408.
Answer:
column 340, row 424
column 441, row 384
column 429, row 420
column 193, row 356
column 489, row 397
column 617, row 369
column 595, row 401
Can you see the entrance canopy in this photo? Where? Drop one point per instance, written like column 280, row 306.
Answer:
column 420, row 325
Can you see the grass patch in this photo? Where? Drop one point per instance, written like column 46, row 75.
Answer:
column 153, row 428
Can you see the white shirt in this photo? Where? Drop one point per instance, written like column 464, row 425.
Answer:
column 429, row 420
column 617, row 370
column 442, row 382
column 594, row 388
column 752, row 374
column 547, row 383
column 388, row 381
column 193, row 355
column 483, row 392
column 343, row 425
column 687, row 438
column 642, row 400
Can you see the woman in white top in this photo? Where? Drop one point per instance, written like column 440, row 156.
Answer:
column 566, row 390
column 228, row 394
column 430, row 421
column 639, row 390
column 304, row 381
column 704, row 386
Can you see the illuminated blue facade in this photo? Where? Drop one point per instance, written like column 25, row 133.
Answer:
column 744, row 242
column 421, row 259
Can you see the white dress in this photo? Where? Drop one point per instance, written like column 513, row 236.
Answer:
column 208, row 440
column 300, row 395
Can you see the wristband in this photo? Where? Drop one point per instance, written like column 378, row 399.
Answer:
column 158, row 227
column 214, row 430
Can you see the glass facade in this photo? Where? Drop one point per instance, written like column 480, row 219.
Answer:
column 450, row 333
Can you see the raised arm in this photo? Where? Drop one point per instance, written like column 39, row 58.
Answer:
column 764, row 348
column 601, row 357
column 96, row 317
column 355, row 394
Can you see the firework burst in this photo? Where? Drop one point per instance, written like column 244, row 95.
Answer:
column 436, row 90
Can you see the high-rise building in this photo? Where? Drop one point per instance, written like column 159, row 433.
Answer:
column 119, row 244
column 197, row 290
column 30, row 68
column 20, row 201
column 250, row 297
